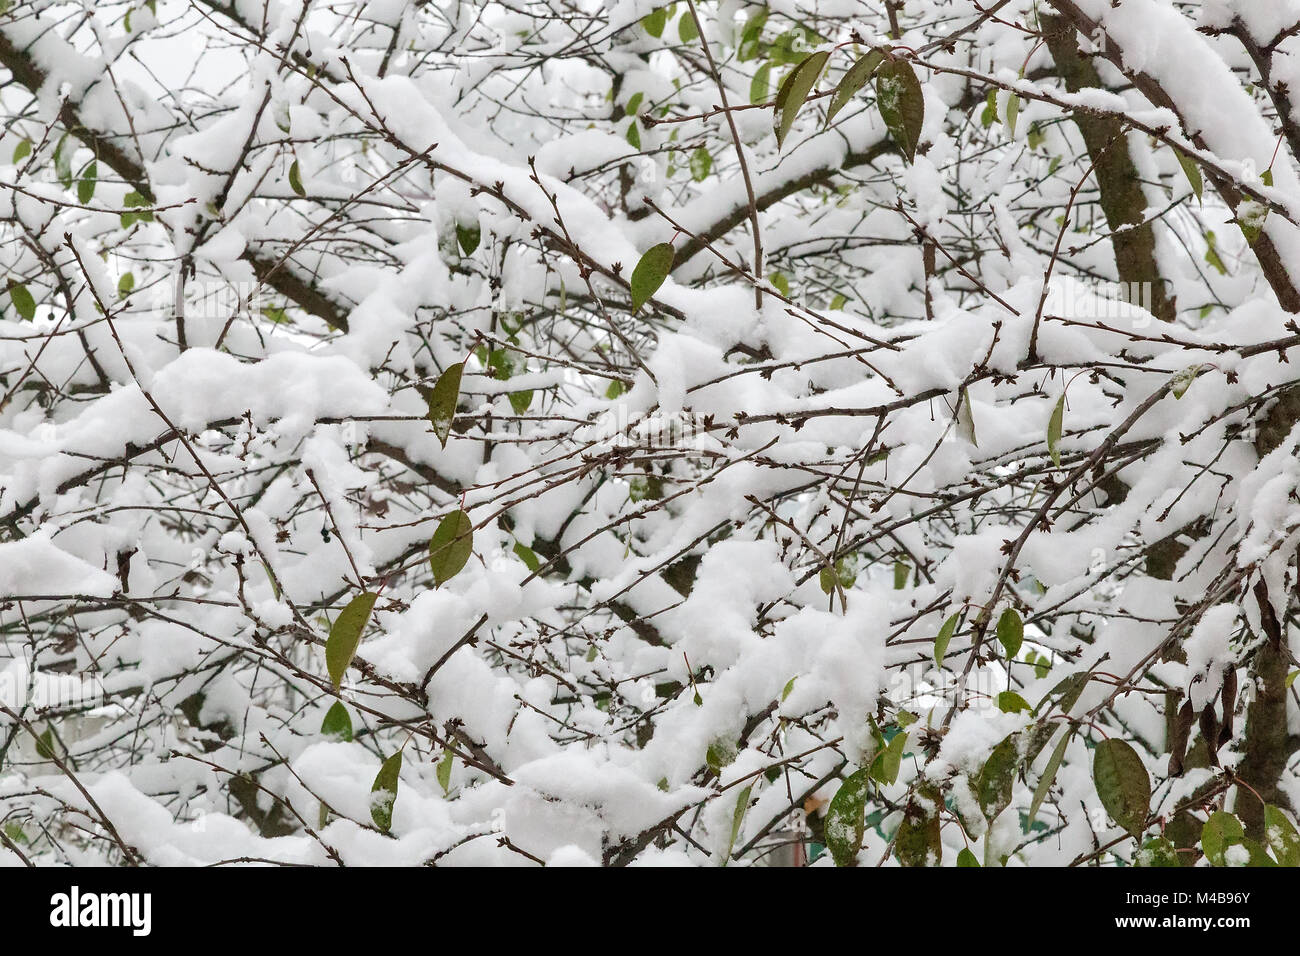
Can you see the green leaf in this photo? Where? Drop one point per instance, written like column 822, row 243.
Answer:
column 721, row 753
column 1049, row 775
column 946, row 632
column 737, row 820
column 1009, row 702
column 22, row 151
column 526, row 555
column 468, row 237
column 901, row 104
column 1281, row 836
column 22, row 300
column 442, row 399
column 125, row 284
column 519, row 401
column 138, row 201
column 853, row 80
column 826, row 578
column 86, row 185
column 1221, row 830
column 443, row 770
column 345, row 635
column 990, row 114
column 295, row 179
column 1212, row 254
column 846, row 819
column 1054, row 427
column 751, row 36
column 966, row 858
column 650, row 273
column 701, row 164
column 794, row 90
column 45, row 746
column 1157, row 852
column 337, row 722
column 383, row 794
column 760, row 87
column 634, row 135
column 902, row 571
column 1192, row 171
column 687, row 31
column 1069, row 690
column 1013, row 111
column 1011, row 632
column 885, row 767
column 63, row 161
column 1122, row 784
column 1251, row 216
column 997, row 777
column 918, row 841
column 1257, row 856
column 450, row 547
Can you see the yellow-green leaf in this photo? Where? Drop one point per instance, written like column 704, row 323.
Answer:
column 1009, row 702
column 687, row 31
column 1055, row 424
column 443, row 770
column 655, row 21
column 295, row 179
column 701, row 164
column 761, row 85
column 1013, row 112
column 1183, row 380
